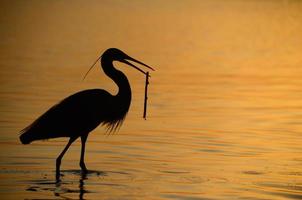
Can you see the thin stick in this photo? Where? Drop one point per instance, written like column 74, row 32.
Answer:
column 91, row 67
column 146, row 97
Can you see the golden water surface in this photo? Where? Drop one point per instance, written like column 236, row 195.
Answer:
column 225, row 102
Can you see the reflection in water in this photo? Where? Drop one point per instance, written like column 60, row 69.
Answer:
column 62, row 188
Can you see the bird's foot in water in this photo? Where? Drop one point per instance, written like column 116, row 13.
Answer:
column 84, row 168
column 58, row 175
column 85, row 171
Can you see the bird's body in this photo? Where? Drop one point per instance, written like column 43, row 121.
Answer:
column 77, row 115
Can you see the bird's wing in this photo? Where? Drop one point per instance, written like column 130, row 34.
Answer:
column 73, row 115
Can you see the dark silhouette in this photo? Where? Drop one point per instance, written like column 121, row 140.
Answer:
column 77, row 115
column 81, row 191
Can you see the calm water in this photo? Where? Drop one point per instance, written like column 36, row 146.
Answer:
column 225, row 102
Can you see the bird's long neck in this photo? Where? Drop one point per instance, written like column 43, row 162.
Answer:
column 124, row 89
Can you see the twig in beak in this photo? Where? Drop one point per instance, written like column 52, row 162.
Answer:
column 146, row 96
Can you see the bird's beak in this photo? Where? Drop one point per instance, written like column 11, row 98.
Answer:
column 134, row 60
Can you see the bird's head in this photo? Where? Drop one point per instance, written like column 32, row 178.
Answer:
column 118, row 55
column 115, row 54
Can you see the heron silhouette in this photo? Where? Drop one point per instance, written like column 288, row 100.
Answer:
column 77, row 115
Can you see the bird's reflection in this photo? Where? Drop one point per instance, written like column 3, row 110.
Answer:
column 60, row 190
column 64, row 187
column 81, row 186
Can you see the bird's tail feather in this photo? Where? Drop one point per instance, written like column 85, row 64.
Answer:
column 28, row 135
column 26, row 138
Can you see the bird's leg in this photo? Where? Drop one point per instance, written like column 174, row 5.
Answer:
column 82, row 163
column 59, row 158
